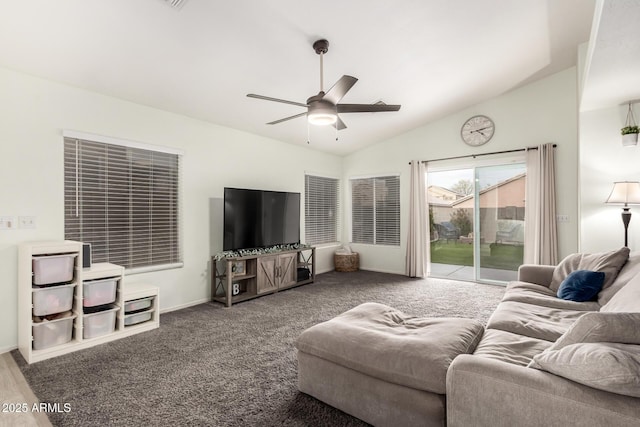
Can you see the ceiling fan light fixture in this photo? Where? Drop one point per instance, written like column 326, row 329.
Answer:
column 322, row 118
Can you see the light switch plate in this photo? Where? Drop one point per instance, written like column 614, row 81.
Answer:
column 27, row 222
column 7, row 222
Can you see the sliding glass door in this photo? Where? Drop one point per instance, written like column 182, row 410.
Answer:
column 476, row 218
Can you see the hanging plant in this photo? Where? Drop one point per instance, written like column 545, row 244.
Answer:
column 630, row 130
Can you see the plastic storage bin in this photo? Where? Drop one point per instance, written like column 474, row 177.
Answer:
column 98, row 292
column 134, row 319
column 52, row 333
column 54, row 299
column 48, row 269
column 99, row 323
column 137, row 304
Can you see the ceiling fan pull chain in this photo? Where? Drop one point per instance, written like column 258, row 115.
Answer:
column 336, row 126
column 308, row 133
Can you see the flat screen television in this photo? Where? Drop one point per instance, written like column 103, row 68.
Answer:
column 258, row 218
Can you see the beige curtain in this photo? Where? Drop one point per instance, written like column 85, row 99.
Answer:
column 541, row 233
column 418, row 239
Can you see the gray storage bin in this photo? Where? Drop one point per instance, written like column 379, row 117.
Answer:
column 51, row 333
column 137, row 304
column 99, row 292
column 99, row 323
column 134, row 319
column 54, row 299
column 48, row 269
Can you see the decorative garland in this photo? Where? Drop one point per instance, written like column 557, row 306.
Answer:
column 260, row 251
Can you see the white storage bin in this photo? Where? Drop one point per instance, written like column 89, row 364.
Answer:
column 99, row 323
column 98, row 292
column 48, row 269
column 137, row 304
column 54, row 299
column 134, row 319
column 51, row 333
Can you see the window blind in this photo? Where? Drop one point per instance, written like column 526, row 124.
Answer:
column 375, row 212
column 124, row 201
column 322, row 207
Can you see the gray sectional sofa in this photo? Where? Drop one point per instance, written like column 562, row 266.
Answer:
column 540, row 360
column 546, row 361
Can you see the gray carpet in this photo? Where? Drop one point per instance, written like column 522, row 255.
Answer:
column 212, row 366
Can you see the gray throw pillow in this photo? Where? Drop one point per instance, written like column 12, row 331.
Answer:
column 609, row 263
column 605, row 366
column 623, row 328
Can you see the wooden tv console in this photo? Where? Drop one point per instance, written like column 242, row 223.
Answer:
column 237, row 279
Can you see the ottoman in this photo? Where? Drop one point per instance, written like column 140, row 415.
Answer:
column 383, row 366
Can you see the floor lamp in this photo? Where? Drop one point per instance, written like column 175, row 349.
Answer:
column 626, row 193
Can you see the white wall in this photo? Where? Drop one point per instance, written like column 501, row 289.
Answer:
column 541, row 112
column 33, row 113
column 604, row 160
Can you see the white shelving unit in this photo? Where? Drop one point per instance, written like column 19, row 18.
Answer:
column 124, row 295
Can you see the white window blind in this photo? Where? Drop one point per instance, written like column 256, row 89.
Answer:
column 322, row 205
column 124, row 201
column 375, row 210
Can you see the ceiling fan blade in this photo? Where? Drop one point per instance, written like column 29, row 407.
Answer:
column 268, row 98
column 340, row 89
column 366, row 108
column 275, row 122
column 340, row 124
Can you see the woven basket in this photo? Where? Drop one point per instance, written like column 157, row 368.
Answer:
column 347, row 262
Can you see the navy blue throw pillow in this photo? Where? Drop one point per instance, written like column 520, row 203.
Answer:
column 581, row 285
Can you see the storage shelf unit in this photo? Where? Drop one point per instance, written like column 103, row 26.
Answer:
column 80, row 318
column 257, row 275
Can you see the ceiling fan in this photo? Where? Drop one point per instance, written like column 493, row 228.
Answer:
column 323, row 108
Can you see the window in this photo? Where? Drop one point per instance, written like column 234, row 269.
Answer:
column 322, row 204
column 375, row 214
column 123, row 199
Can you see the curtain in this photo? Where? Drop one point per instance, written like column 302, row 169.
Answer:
column 418, row 239
column 541, row 233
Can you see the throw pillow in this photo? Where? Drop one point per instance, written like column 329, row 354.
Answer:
column 626, row 299
column 605, row 366
column 581, row 285
column 609, row 263
column 592, row 327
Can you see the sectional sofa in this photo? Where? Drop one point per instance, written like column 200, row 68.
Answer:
column 546, row 361
column 541, row 360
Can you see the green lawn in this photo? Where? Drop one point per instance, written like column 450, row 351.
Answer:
column 504, row 257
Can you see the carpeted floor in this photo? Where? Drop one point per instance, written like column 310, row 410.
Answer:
column 212, row 366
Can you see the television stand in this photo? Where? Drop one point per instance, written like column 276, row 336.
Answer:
column 236, row 279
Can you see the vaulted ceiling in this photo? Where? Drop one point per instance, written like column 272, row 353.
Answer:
column 434, row 57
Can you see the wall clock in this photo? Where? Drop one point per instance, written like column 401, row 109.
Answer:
column 477, row 130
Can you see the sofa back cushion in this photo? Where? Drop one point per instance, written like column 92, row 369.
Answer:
column 605, row 366
column 626, row 300
column 609, row 263
column 630, row 269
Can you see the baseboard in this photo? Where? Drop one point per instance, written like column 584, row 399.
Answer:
column 376, row 270
column 8, row 349
column 181, row 306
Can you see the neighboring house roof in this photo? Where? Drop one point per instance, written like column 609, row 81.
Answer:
column 515, row 181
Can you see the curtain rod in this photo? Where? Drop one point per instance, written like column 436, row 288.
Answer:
column 483, row 154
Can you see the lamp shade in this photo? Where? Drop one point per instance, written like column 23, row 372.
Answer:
column 625, row 192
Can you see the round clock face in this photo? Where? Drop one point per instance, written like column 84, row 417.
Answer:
column 477, row 130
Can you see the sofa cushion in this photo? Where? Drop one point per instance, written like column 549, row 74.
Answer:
column 621, row 328
column 532, row 320
column 581, row 285
column 630, row 269
column 541, row 295
column 387, row 344
column 605, row 366
column 508, row 347
column 609, row 263
column 626, row 299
